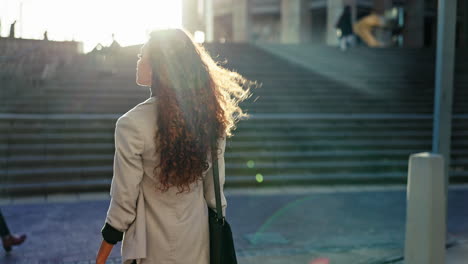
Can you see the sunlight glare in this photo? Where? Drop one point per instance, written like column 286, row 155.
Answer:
column 91, row 21
column 199, row 36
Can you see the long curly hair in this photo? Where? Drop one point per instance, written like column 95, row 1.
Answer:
column 198, row 103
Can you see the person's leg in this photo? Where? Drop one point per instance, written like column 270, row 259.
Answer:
column 8, row 239
column 350, row 41
column 343, row 43
column 4, row 231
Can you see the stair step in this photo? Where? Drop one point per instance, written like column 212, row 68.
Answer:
column 103, row 185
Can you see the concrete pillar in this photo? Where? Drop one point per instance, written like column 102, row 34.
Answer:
column 413, row 34
column 209, row 21
column 295, row 21
column 240, row 21
column 190, row 15
column 425, row 211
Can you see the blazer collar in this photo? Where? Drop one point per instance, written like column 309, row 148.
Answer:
column 151, row 99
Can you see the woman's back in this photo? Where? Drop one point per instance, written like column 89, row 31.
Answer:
column 163, row 227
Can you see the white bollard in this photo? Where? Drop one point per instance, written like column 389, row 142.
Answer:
column 425, row 211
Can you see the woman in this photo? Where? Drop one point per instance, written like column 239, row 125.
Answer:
column 163, row 179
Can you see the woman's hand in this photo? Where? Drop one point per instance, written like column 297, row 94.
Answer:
column 104, row 252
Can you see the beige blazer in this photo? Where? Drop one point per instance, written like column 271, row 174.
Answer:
column 158, row 227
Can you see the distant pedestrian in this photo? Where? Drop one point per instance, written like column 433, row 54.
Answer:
column 12, row 30
column 345, row 29
column 363, row 28
column 46, row 37
column 8, row 239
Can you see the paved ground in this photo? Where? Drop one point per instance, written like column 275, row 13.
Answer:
column 291, row 225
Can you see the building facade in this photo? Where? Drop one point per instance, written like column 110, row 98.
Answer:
column 311, row 21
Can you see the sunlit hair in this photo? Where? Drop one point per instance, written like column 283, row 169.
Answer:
column 197, row 104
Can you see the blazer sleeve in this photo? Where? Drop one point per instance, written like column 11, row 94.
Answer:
column 208, row 183
column 128, row 173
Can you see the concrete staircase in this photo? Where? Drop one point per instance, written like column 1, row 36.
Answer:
column 348, row 118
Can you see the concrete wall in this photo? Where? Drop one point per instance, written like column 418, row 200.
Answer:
column 33, row 60
column 241, row 21
column 63, row 49
column 295, row 21
column 190, row 18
